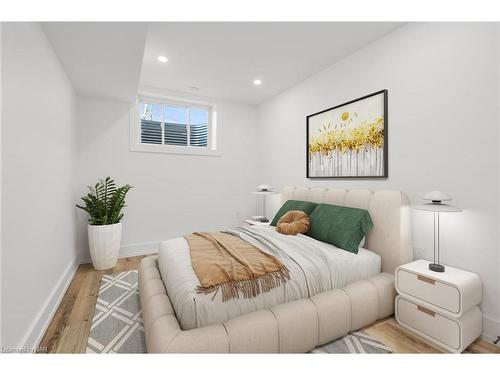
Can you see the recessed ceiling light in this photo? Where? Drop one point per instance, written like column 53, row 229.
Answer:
column 257, row 82
column 162, row 59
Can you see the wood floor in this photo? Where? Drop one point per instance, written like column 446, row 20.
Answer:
column 69, row 329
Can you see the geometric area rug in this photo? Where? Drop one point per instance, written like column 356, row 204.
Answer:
column 358, row 342
column 117, row 325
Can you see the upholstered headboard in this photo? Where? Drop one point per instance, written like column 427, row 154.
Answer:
column 390, row 237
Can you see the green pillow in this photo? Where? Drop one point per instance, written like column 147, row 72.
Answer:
column 292, row 205
column 341, row 226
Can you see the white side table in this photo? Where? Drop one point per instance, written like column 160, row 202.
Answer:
column 255, row 222
column 441, row 307
column 263, row 194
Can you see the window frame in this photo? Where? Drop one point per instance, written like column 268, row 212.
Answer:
column 213, row 146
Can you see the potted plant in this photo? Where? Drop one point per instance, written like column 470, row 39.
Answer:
column 104, row 204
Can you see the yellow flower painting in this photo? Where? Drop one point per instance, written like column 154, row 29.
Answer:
column 349, row 140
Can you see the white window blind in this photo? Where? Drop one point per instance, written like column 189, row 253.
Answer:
column 174, row 124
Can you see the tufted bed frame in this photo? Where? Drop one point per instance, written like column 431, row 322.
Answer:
column 301, row 325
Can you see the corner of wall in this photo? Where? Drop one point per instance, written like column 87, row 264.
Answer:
column 1, row 305
column 40, row 324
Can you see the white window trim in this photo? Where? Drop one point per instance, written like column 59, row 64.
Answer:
column 213, row 149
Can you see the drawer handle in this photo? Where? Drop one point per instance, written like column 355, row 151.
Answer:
column 426, row 311
column 426, row 279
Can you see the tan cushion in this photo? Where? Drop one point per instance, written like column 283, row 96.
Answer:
column 364, row 303
column 149, row 261
column 334, row 314
column 256, row 332
column 293, row 222
column 154, row 307
column 150, row 288
column 210, row 339
column 297, row 325
column 163, row 330
column 384, row 283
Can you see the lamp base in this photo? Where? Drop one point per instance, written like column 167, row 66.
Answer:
column 261, row 219
column 436, row 267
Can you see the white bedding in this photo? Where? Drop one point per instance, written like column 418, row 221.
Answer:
column 314, row 267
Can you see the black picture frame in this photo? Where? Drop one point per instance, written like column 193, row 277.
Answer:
column 385, row 174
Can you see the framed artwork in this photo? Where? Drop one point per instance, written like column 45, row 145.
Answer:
column 349, row 140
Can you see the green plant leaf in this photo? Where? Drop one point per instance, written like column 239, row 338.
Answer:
column 104, row 202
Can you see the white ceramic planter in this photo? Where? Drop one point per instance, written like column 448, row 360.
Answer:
column 104, row 243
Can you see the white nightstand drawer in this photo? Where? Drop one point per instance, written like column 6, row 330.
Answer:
column 452, row 334
column 429, row 290
column 429, row 323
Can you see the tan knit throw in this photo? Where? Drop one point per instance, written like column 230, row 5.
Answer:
column 226, row 262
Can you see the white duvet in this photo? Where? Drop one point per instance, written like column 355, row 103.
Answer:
column 314, row 267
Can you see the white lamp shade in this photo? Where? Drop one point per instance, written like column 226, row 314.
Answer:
column 263, row 192
column 264, row 188
column 436, row 206
column 436, row 196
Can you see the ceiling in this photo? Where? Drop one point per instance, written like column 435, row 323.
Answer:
column 219, row 59
column 223, row 59
column 102, row 59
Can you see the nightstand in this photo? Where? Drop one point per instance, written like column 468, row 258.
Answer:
column 441, row 307
column 259, row 223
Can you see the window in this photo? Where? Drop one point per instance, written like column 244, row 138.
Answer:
column 173, row 126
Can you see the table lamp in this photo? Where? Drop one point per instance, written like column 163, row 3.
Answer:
column 263, row 190
column 436, row 205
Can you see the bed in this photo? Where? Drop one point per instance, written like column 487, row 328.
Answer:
column 344, row 291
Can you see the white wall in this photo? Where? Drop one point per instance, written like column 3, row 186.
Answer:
column 443, row 134
column 38, row 153
column 173, row 194
column 1, row 27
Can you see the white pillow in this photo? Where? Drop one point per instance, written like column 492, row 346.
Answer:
column 362, row 243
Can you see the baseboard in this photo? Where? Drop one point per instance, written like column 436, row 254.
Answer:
column 132, row 250
column 40, row 324
column 145, row 248
column 491, row 329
